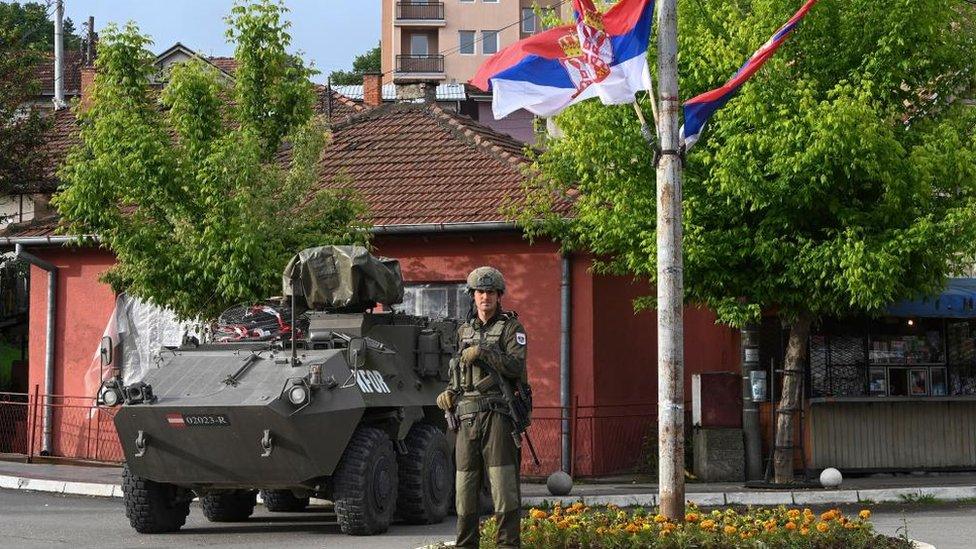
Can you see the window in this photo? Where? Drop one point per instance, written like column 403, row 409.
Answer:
column 436, row 300
column 418, row 44
column 467, row 1
column 489, row 42
column 528, row 20
column 490, row 1
column 467, row 42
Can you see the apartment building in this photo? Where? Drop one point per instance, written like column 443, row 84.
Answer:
column 424, row 40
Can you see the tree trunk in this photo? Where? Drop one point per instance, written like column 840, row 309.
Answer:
column 789, row 405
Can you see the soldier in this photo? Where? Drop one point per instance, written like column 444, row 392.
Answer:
column 492, row 348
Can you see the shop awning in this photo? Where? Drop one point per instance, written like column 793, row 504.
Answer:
column 957, row 300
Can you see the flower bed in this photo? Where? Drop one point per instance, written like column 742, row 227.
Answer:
column 582, row 527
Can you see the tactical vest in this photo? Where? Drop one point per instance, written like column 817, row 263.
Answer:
column 470, row 380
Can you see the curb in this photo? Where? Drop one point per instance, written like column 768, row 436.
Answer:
column 800, row 497
column 702, row 499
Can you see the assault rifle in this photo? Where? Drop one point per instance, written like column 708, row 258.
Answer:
column 519, row 408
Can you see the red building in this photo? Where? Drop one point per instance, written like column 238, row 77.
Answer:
column 434, row 182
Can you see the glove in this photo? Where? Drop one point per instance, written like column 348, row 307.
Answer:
column 470, row 354
column 445, row 400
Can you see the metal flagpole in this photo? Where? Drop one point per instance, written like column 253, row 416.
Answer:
column 670, row 336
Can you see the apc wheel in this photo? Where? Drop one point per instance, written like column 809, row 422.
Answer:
column 283, row 501
column 233, row 506
column 365, row 481
column 426, row 476
column 153, row 507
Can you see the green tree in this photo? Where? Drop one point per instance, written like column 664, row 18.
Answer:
column 841, row 178
column 367, row 62
column 187, row 196
column 35, row 26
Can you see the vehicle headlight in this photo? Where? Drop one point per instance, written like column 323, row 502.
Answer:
column 298, row 395
column 110, row 397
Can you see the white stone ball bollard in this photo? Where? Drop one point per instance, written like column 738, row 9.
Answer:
column 559, row 483
column 831, row 478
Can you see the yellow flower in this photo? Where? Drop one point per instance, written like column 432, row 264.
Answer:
column 864, row 514
column 793, row 513
column 729, row 530
column 693, row 517
column 537, row 514
column 807, row 512
column 791, row 525
column 707, row 524
column 823, row 527
column 660, row 518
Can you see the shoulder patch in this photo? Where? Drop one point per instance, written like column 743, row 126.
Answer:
column 520, row 338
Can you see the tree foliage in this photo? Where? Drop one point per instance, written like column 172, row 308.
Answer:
column 838, row 180
column 366, row 62
column 21, row 124
column 203, row 199
column 34, row 24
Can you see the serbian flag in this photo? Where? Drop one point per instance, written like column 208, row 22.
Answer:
column 603, row 55
column 699, row 109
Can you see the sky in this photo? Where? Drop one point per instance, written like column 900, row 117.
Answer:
column 331, row 33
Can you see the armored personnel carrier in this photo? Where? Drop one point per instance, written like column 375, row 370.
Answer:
column 346, row 414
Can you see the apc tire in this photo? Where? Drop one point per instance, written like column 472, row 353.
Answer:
column 153, row 507
column 283, row 501
column 234, row 506
column 365, row 481
column 426, row 476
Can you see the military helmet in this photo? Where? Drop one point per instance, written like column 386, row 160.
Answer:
column 486, row 278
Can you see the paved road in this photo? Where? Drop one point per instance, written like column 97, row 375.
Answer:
column 34, row 519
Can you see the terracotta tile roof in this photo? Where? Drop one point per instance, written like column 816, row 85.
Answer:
column 342, row 106
column 413, row 164
column 72, row 73
column 226, row 64
column 45, row 226
column 420, row 164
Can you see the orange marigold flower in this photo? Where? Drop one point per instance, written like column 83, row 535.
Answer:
column 660, row 518
column 563, row 524
column 807, row 511
column 864, row 514
column 693, row 517
column 730, row 530
column 804, row 531
column 827, row 515
column 707, row 524
column 538, row 514
column 823, row 527
column 790, row 525
column 632, row 528
column 793, row 513
column 850, row 525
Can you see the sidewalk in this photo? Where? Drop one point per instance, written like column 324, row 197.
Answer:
column 104, row 482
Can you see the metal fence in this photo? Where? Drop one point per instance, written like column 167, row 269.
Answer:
column 80, row 429
column 606, row 440
column 420, row 11
column 420, row 63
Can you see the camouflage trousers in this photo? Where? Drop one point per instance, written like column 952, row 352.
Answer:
column 484, row 443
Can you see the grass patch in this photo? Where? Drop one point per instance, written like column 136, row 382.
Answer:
column 925, row 499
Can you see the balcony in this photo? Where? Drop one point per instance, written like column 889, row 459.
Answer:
column 416, row 65
column 420, row 14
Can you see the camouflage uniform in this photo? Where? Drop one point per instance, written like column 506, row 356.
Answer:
column 484, row 441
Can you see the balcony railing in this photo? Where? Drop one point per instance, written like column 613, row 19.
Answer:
column 417, row 11
column 414, row 63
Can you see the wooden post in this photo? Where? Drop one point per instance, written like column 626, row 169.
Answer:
column 670, row 291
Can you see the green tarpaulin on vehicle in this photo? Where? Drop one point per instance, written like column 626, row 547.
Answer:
column 329, row 277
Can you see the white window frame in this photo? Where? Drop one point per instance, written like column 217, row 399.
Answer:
column 484, row 40
column 528, row 23
column 474, row 42
column 466, row 1
column 490, row 1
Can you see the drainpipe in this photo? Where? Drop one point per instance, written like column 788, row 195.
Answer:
column 52, row 285
column 564, row 365
column 751, row 431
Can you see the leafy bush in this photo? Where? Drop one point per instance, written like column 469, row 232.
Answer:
column 582, row 527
